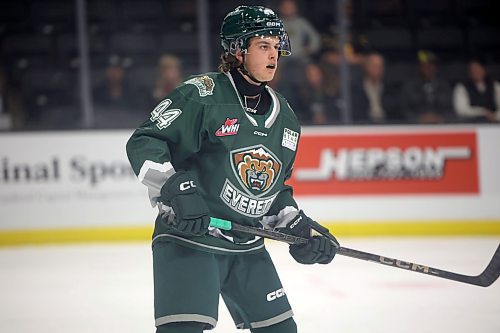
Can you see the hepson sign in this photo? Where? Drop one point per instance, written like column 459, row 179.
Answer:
column 387, row 164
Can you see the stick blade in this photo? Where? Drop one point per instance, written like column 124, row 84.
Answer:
column 491, row 272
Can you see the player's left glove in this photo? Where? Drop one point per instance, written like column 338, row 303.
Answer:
column 320, row 249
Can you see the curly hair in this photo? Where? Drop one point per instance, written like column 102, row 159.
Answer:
column 228, row 62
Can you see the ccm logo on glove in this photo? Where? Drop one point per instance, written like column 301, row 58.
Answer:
column 297, row 221
column 186, row 185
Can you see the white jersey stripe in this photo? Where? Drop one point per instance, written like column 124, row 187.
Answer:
column 154, row 175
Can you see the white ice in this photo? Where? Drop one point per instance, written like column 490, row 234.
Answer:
column 108, row 288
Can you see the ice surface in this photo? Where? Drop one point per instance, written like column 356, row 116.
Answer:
column 108, row 288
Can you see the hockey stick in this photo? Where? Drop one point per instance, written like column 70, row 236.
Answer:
column 485, row 279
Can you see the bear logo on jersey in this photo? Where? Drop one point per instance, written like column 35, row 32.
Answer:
column 256, row 174
column 256, row 168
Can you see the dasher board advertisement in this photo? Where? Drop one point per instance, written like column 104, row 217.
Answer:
column 387, row 163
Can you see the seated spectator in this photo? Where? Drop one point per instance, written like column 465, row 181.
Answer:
column 314, row 104
column 330, row 66
column 117, row 105
column 478, row 98
column 169, row 76
column 373, row 100
column 305, row 42
column 114, row 91
column 427, row 99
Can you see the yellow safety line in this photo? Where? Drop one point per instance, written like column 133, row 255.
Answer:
column 340, row 229
column 74, row 235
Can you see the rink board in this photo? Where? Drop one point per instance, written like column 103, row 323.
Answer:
column 360, row 181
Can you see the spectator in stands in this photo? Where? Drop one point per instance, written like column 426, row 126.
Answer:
column 427, row 99
column 306, row 43
column 303, row 36
column 11, row 107
column 356, row 43
column 373, row 100
column 329, row 63
column 169, row 76
column 314, row 102
column 116, row 103
column 115, row 91
column 478, row 98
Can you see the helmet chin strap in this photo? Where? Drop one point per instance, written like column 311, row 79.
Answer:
column 245, row 72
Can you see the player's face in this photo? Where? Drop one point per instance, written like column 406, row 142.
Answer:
column 261, row 59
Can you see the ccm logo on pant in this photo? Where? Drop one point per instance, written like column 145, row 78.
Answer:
column 186, row 185
column 275, row 294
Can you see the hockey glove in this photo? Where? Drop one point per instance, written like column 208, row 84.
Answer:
column 191, row 211
column 320, row 249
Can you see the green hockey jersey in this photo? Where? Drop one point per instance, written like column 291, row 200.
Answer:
column 239, row 160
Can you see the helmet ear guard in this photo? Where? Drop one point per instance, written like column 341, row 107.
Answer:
column 285, row 48
column 236, row 45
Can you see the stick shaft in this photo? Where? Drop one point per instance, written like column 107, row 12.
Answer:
column 485, row 279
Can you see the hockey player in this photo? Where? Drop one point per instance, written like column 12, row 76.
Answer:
column 222, row 145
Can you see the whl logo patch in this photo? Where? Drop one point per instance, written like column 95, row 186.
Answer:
column 230, row 127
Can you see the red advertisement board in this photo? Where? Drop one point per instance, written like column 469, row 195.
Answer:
column 416, row 163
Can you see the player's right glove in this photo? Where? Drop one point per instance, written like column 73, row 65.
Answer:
column 191, row 211
column 319, row 249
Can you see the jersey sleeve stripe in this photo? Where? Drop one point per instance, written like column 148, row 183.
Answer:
column 154, row 175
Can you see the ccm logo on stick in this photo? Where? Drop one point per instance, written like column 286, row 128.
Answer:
column 186, row 185
column 275, row 294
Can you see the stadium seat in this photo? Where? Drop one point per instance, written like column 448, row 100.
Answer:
column 46, row 89
column 494, row 71
column 98, row 10
column 380, row 13
column 389, row 38
column 67, row 45
column 179, row 43
column 477, row 12
column 435, row 7
column 11, row 11
column 26, row 44
column 441, row 39
column 47, row 79
column 51, row 11
column 142, row 10
column 431, row 13
column 22, row 63
column 394, row 43
column 484, row 38
column 453, row 72
column 133, row 43
column 399, row 72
